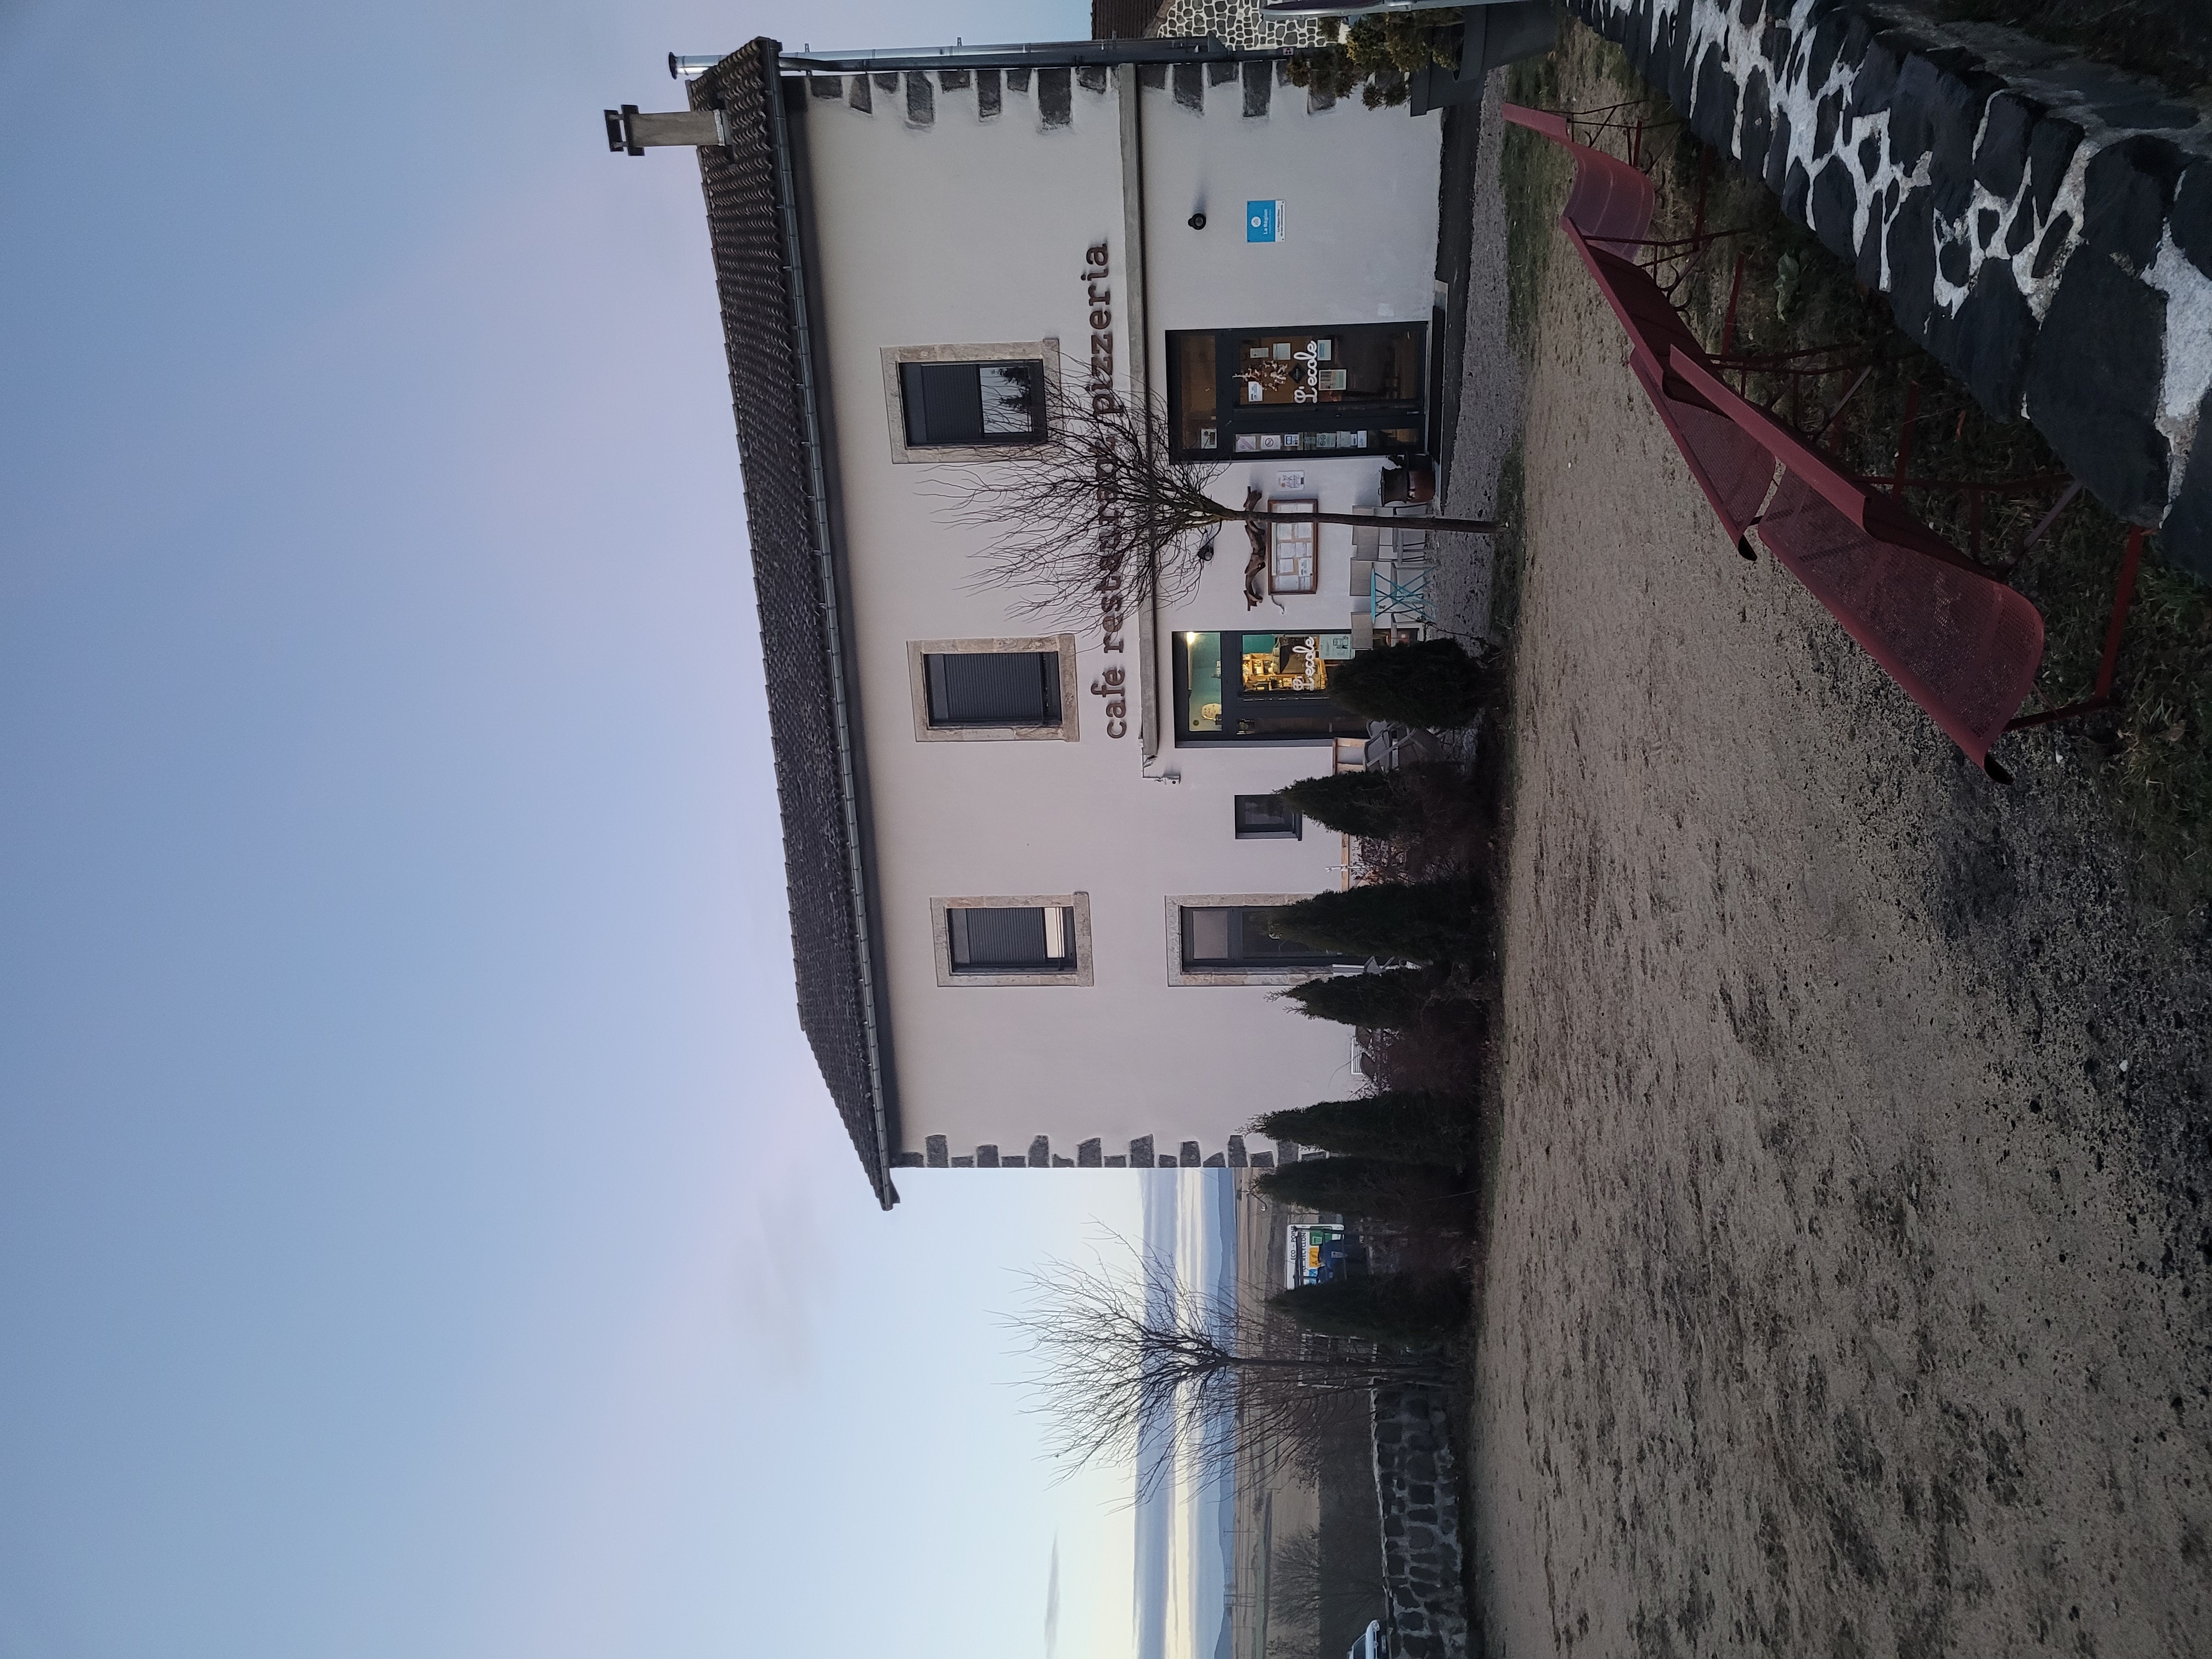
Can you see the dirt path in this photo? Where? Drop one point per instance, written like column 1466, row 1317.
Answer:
column 1850, row 1288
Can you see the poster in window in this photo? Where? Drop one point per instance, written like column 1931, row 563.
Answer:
column 1294, row 549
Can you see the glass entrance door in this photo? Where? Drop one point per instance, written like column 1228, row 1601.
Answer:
column 1233, row 687
column 1338, row 390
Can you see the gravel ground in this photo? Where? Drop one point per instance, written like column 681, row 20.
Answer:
column 1490, row 397
column 1849, row 1269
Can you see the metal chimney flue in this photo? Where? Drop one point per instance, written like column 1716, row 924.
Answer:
column 631, row 132
column 689, row 69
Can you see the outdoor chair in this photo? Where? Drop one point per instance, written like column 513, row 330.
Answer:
column 1399, row 595
column 1412, row 484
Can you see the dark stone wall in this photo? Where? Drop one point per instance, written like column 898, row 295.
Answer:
column 2043, row 225
column 1417, row 1483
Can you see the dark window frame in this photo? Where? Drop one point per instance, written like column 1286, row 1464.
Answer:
column 958, row 925
column 950, row 940
column 1289, row 823
column 914, row 375
column 1053, row 716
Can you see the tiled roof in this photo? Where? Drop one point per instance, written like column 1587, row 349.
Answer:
column 818, row 764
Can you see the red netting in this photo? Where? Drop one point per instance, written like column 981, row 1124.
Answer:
column 1611, row 200
column 1733, row 470
column 1963, row 645
column 1964, row 648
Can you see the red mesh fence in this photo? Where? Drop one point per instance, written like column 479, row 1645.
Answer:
column 1732, row 470
column 1963, row 647
column 1611, row 201
column 1961, row 644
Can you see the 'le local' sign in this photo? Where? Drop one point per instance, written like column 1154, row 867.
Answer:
column 1263, row 222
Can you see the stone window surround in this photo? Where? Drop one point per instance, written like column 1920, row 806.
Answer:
column 917, row 680
column 1179, row 975
column 940, row 938
column 1047, row 351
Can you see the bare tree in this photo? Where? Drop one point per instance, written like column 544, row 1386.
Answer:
column 1136, row 1364
column 1309, row 1587
column 1101, row 517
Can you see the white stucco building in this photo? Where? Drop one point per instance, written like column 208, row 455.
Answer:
column 1027, row 870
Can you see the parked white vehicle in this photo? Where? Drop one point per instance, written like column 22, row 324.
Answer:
column 1370, row 1645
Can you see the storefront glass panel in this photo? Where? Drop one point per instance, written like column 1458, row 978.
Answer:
column 1335, row 390
column 1256, row 686
column 1195, row 395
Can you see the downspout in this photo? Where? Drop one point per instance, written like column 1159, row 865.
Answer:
column 818, row 500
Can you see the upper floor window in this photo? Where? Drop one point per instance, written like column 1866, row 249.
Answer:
column 968, row 403
column 986, row 691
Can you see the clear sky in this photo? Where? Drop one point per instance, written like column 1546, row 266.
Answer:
column 421, row 1229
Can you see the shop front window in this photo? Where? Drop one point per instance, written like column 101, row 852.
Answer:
column 1257, row 686
column 1359, row 388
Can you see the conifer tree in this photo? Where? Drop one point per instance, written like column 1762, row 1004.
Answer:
column 1384, row 999
column 1376, row 1188
column 1422, row 920
column 1406, row 1125
column 1396, row 1309
column 1364, row 804
column 1427, row 682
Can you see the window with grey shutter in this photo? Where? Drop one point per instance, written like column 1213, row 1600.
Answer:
column 993, row 688
column 1027, row 940
column 961, row 404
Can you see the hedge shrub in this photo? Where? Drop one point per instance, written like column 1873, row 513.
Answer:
column 1404, row 1309
column 1378, row 1188
column 1429, row 683
column 1409, row 1126
column 1387, row 999
column 1364, row 804
column 1423, row 921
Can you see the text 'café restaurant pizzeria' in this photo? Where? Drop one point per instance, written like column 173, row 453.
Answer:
column 1030, row 871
